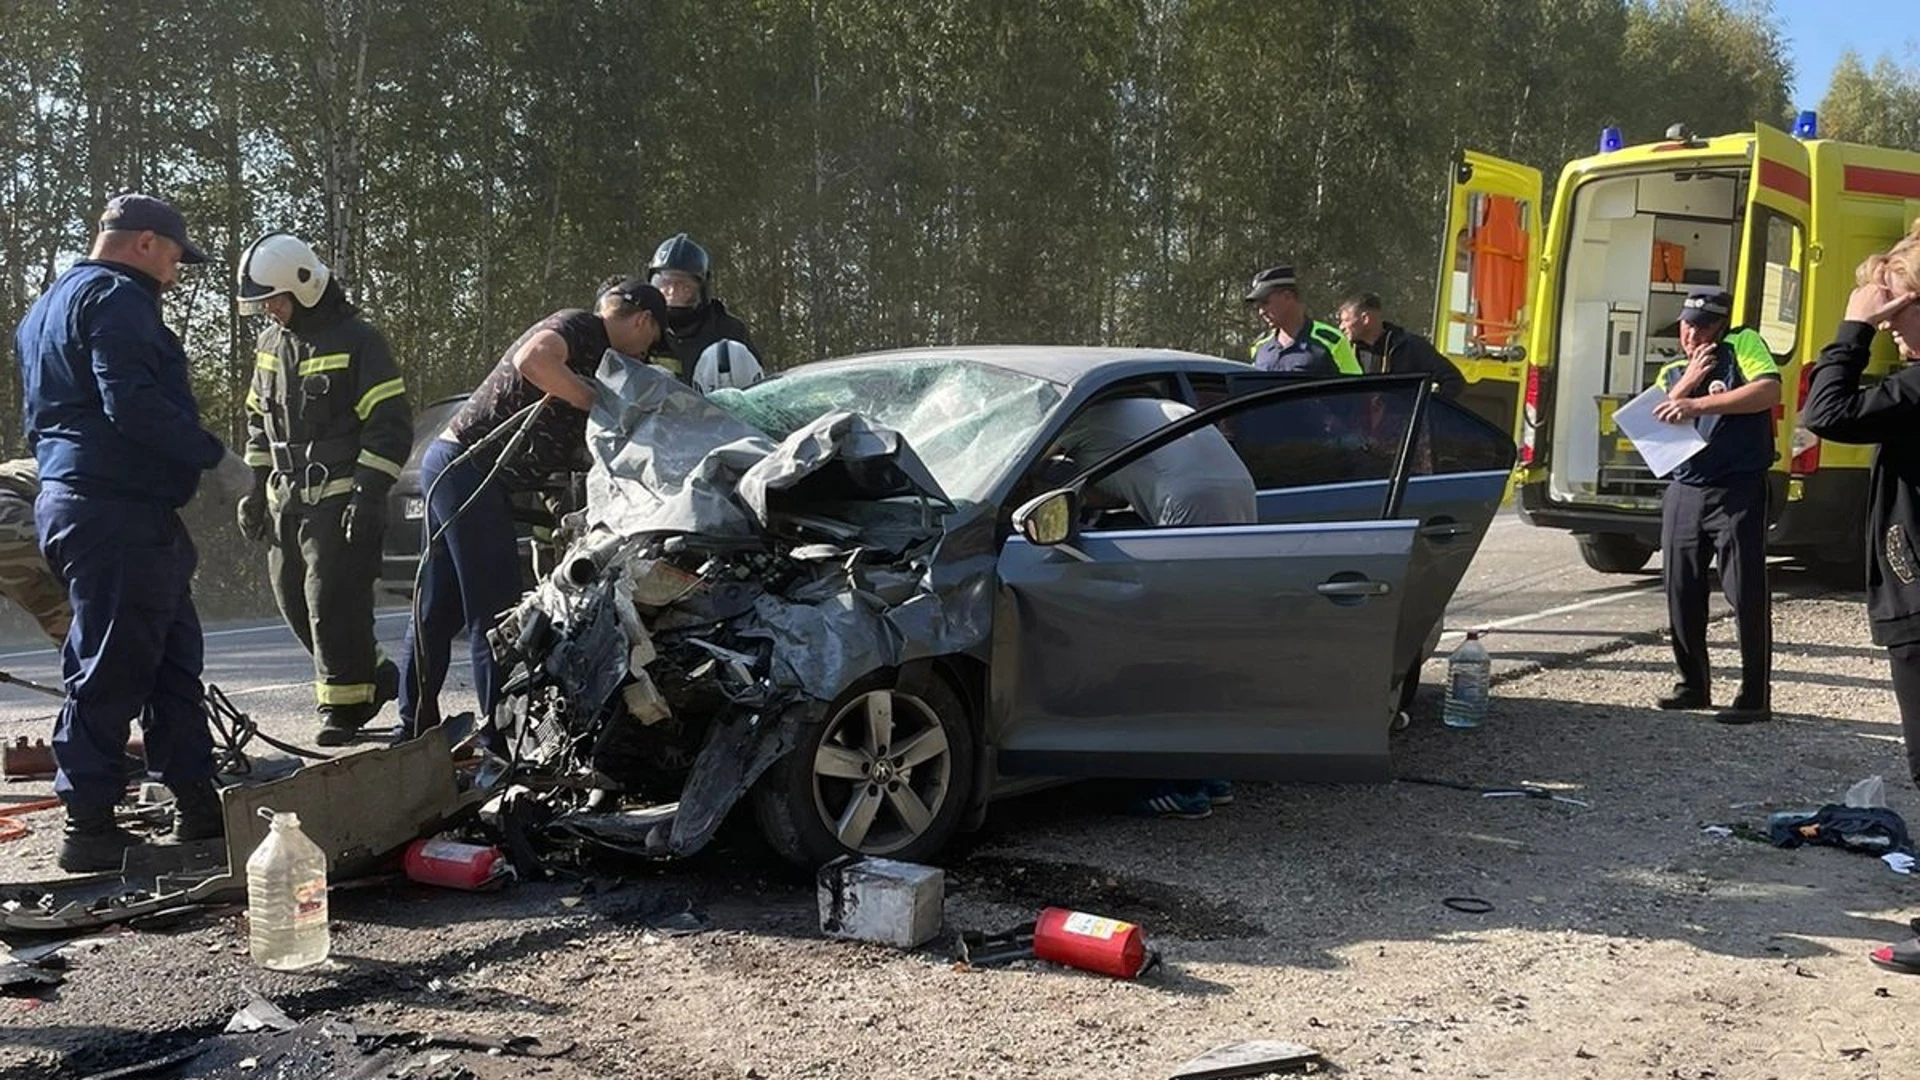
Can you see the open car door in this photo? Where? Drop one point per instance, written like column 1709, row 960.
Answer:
column 1257, row 651
column 1489, row 255
column 1455, row 479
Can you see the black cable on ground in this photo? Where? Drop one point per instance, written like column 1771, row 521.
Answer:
column 525, row 418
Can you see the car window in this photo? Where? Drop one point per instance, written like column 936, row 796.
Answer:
column 1348, row 433
column 1455, row 439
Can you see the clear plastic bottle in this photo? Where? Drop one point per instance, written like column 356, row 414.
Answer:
column 287, row 898
column 1469, row 674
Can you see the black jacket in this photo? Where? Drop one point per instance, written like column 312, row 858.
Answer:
column 685, row 343
column 1400, row 351
column 1838, row 408
column 327, row 411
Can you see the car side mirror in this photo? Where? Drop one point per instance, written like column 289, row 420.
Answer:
column 1047, row 520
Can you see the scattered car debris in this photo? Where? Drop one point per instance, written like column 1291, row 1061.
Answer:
column 881, row 901
column 261, row 1037
column 1252, row 1058
column 1873, row 830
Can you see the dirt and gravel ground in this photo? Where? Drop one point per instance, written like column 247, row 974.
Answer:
column 1623, row 941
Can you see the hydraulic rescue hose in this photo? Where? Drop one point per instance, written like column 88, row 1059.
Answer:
column 524, row 419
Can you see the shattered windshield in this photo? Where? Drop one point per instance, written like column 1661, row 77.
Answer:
column 964, row 419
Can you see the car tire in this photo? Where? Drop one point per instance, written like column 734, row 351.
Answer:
column 1615, row 553
column 908, row 806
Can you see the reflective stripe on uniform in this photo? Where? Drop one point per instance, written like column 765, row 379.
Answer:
column 266, row 361
column 380, row 392
column 1253, row 351
column 374, row 461
column 313, row 365
column 253, row 401
column 258, row 459
column 343, row 693
column 1338, row 347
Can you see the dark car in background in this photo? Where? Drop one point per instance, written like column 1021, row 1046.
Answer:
column 533, row 512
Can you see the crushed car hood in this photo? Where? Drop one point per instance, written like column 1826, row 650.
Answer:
column 727, row 588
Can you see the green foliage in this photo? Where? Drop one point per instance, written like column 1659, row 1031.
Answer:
column 866, row 174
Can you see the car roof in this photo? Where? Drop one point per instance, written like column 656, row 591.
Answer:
column 1062, row 364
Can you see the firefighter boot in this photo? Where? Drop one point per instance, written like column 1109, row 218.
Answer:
column 197, row 814
column 386, row 683
column 94, row 843
column 341, row 724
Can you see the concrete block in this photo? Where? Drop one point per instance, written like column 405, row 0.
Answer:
column 882, row 901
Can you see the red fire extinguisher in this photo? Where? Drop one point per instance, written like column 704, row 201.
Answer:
column 1091, row 942
column 454, row 865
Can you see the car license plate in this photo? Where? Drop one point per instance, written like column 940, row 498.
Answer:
column 414, row 508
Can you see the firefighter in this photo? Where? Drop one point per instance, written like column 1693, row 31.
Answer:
column 328, row 429
column 114, row 427
column 1393, row 349
column 1715, row 505
column 470, row 569
column 1295, row 341
column 696, row 318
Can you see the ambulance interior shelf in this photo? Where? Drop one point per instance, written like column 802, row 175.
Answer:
column 1639, row 245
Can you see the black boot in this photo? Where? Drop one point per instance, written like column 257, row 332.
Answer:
column 386, row 682
column 341, row 724
column 197, row 814
column 94, row 842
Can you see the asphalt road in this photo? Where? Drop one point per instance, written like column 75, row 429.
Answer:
column 1527, row 586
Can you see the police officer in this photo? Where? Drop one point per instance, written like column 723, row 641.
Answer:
column 696, row 319
column 1388, row 348
column 1716, row 503
column 328, row 429
column 1295, row 341
column 111, row 418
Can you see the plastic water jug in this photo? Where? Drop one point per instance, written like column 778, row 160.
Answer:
column 287, row 897
column 1469, row 674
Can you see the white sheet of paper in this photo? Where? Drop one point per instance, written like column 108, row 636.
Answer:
column 1662, row 446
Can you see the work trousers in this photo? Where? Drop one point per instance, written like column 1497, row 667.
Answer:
column 470, row 576
column 1726, row 520
column 1905, row 660
column 134, row 649
column 324, row 587
column 25, row 577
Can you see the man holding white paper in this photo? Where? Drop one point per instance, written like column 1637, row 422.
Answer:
column 1716, row 503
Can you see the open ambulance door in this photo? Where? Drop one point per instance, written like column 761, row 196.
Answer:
column 1488, row 259
column 1768, row 292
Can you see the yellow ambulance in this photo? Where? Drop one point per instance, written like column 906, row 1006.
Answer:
column 1565, row 324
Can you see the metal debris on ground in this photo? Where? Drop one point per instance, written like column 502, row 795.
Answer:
column 1251, row 1058
column 882, row 901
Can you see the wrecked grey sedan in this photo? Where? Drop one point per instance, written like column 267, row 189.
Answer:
column 870, row 595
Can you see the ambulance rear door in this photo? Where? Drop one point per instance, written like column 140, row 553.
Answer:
column 1489, row 255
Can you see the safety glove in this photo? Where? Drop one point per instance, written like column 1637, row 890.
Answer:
column 251, row 511
column 365, row 518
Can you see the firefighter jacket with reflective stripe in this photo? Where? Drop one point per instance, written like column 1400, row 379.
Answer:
column 327, row 411
column 1319, row 350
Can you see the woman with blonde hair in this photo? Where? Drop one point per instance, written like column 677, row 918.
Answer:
column 1886, row 414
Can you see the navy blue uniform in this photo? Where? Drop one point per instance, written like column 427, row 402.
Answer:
column 1716, row 506
column 112, row 422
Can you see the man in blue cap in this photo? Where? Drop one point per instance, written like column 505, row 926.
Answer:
column 113, row 424
column 1295, row 341
column 1716, row 503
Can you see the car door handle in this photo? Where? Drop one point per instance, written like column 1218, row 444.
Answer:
column 1363, row 587
column 1445, row 530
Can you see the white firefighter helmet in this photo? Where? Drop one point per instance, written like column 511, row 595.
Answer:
column 280, row 263
column 726, row 363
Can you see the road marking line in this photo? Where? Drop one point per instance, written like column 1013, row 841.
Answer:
column 1548, row 613
column 234, row 632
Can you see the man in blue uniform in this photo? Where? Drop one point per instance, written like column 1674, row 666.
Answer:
column 1295, row 341
column 112, row 422
column 1716, row 503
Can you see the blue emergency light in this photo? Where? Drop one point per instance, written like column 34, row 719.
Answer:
column 1806, row 125
column 1611, row 140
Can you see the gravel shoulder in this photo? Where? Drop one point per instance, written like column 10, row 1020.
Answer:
column 1623, row 942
